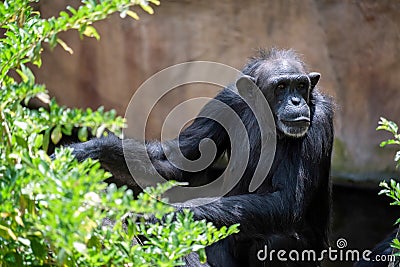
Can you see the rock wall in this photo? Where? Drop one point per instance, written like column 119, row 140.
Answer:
column 354, row 44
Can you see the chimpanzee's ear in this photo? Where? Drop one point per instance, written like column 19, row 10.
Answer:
column 245, row 85
column 314, row 78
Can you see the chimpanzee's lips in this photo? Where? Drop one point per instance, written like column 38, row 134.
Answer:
column 299, row 121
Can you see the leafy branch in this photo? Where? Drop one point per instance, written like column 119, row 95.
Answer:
column 26, row 31
column 391, row 189
column 59, row 212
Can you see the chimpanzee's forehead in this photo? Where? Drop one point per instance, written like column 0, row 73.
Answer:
column 280, row 67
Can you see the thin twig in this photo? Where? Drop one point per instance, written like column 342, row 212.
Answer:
column 6, row 128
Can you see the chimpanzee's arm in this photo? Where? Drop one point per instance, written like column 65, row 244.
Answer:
column 110, row 150
column 252, row 211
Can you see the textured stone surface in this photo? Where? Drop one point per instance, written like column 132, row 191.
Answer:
column 354, row 44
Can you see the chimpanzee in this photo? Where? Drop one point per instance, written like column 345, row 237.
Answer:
column 291, row 208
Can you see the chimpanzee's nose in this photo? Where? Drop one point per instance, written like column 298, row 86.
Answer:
column 295, row 100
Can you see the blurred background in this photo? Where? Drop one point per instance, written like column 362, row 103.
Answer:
column 355, row 45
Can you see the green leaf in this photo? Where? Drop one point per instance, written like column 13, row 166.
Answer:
column 156, row 2
column 14, row 258
column 393, row 127
column 26, row 74
column 94, row 242
column 39, row 250
column 22, row 75
column 71, row 9
column 147, row 8
column 396, row 243
column 37, row 62
column 39, row 140
column 100, row 130
column 46, row 139
column 64, row 14
column 83, row 134
column 53, row 41
column 132, row 14
column 56, row 134
column 202, row 255
column 389, row 142
column 7, row 233
column 197, row 247
column 67, row 129
column 21, row 141
column 90, row 31
column 397, row 156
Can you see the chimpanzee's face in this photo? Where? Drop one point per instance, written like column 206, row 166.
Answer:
column 288, row 88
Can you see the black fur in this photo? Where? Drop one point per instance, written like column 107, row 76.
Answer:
column 380, row 251
column 290, row 210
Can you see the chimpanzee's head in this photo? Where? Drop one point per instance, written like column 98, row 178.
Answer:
column 288, row 88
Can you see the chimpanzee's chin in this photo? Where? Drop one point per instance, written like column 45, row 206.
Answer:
column 294, row 130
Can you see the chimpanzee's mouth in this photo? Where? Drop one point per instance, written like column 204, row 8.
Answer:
column 298, row 122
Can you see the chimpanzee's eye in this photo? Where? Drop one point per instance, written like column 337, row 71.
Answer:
column 302, row 88
column 281, row 86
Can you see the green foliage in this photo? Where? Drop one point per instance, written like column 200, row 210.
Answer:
column 53, row 212
column 26, row 31
column 391, row 189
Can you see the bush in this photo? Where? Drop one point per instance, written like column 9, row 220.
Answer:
column 52, row 211
column 391, row 189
